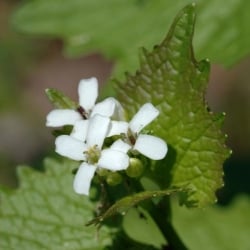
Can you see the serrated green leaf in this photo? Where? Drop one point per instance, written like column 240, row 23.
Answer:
column 45, row 213
column 215, row 228
column 122, row 205
column 117, row 27
column 171, row 79
column 60, row 100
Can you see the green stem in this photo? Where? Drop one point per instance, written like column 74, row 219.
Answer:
column 161, row 213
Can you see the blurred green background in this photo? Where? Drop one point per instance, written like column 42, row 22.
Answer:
column 29, row 63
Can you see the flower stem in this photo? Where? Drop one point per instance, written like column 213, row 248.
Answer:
column 161, row 213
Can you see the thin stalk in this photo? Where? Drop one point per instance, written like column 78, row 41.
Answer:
column 161, row 213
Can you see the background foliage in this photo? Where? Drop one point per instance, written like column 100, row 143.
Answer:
column 92, row 28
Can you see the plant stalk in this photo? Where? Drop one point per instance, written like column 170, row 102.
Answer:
column 161, row 213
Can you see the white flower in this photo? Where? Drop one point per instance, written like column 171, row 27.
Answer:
column 88, row 92
column 87, row 147
column 151, row 146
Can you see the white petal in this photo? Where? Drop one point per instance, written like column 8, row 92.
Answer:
column 97, row 130
column 104, row 108
column 146, row 114
column 88, row 92
column 70, row 147
column 113, row 160
column 83, row 178
column 117, row 128
column 80, row 130
column 61, row 117
column 121, row 146
column 119, row 113
column 151, row 146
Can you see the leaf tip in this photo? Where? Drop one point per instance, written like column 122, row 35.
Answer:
column 193, row 4
column 190, row 7
column 49, row 92
column 96, row 221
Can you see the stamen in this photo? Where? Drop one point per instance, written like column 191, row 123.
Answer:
column 131, row 137
column 82, row 112
column 93, row 154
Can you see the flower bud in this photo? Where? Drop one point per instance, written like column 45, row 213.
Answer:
column 135, row 168
column 114, row 178
column 102, row 172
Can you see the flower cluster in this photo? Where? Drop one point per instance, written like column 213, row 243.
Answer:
column 94, row 122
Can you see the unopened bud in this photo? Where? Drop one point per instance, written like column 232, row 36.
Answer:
column 102, row 172
column 114, row 178
column 135, row 168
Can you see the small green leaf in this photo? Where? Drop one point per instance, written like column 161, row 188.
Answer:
column 59, row 100
column 122, row 205
column 45, row 213
column 171, row 79
column 123, row 242
column 137, row 219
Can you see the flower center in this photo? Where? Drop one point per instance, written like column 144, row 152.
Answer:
column 93, row 154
